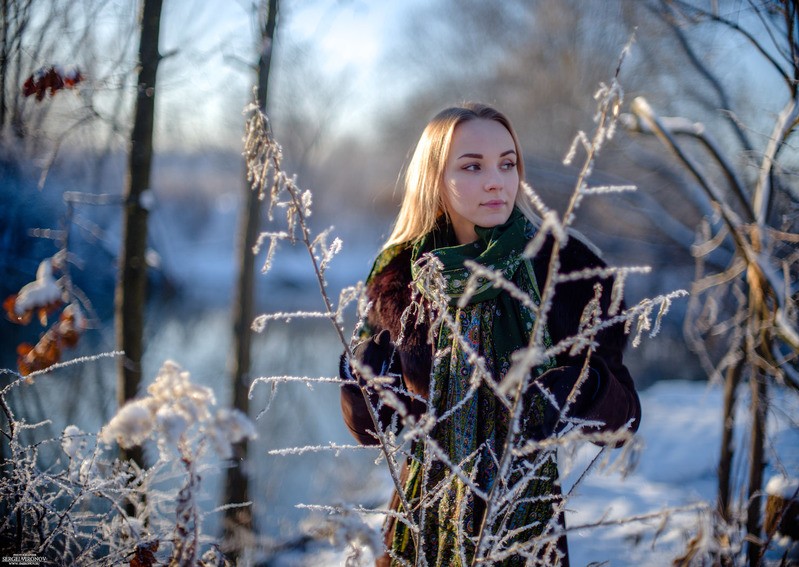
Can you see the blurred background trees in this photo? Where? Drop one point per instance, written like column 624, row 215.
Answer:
column 742, row 322
column 352, row 84
column 238, row 521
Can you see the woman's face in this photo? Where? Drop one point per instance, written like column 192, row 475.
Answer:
column 480, row 177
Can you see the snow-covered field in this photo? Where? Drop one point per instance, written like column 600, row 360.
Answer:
column 680, row 432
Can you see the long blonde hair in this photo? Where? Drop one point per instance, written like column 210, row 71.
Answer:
column 422, row 201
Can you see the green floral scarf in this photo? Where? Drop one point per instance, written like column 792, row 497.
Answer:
column 471, row 434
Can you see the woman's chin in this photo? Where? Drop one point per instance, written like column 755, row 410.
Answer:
column 493, row 218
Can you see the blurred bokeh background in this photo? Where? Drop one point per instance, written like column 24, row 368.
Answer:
column 353, row 83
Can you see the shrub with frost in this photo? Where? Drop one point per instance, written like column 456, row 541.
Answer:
column 178, row 414
column 89, row 508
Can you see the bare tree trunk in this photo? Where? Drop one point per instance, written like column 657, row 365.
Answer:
column 238, row 520
column 21, row 18
column 733, row 379
column 756, row 464
column 132, row 283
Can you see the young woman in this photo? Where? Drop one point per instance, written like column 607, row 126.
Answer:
column 462, row 202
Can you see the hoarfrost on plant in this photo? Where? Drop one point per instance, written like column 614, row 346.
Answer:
column 71, row 441
column 42, row 291
column 177, row 411
column 131, row 426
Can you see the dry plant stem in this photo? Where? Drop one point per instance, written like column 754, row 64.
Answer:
column 757, row 345
column 748, row 251
column 784, row 126
column 680, row 126
column 536, row 336
column 10, row 417
column 702, row 68
column 390, row 460
column 62, row 518
column 27, row 378
column 308, row 243
column 654, row 123
column 185, row 551
column 760, row 314
column 758, row 409
column 641, row 517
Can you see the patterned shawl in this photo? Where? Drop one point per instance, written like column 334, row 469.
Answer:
column 473, row 430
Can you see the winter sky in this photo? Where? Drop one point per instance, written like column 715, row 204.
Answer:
column 216, row 42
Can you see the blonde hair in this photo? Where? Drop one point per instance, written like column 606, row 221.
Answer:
column 422, row 201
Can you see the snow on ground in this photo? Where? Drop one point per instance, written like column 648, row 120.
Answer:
column 680, row 431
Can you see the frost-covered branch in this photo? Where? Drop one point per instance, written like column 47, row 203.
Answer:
column 88, row 508
column 264, row 169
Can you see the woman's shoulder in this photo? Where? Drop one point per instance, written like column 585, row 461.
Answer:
column 391, row 258
column 388, row 289
column 391, row 271
column 579, row 252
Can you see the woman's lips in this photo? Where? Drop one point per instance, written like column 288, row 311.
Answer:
column 494, row 204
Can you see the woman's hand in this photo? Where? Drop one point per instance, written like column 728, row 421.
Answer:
column 556, row 387
column 376, row 353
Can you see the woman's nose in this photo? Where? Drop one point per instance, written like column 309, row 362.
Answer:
column 493, row 181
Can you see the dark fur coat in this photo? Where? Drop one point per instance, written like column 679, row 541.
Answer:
column 610, row 398
column 614, row 402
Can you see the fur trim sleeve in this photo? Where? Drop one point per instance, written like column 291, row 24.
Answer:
column 390, row 293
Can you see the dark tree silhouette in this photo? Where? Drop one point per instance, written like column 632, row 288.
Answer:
column 132, row 282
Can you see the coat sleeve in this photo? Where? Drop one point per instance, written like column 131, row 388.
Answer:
column 376, row 352
column 613, row 400
column 389, row 294
column 616, row 402
column 379, row 353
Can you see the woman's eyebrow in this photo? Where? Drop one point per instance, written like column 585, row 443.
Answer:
column 480, row 156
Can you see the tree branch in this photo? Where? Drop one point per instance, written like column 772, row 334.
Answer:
column 681, row 126
column 640, row 108
column 693, row 58
column 732, row 25
column 786, row 122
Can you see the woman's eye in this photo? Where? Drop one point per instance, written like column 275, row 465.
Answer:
column 509, row 165
column 472, row 167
